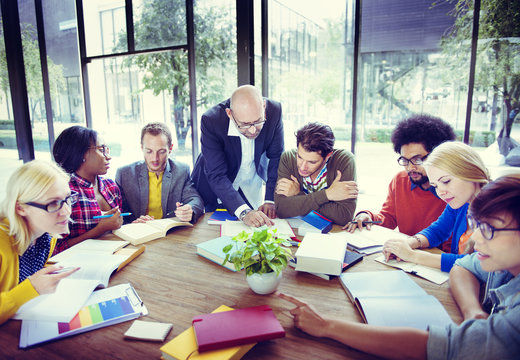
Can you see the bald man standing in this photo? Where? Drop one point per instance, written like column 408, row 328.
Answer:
column 241, row 141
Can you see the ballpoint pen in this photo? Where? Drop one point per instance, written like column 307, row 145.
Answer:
column 367, row 222
column 107, row 216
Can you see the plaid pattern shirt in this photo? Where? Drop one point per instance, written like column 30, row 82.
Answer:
column 87, row 206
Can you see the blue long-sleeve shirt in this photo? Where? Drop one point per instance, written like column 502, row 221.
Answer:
column 451, row 221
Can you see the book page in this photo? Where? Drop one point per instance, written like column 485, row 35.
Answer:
column 167, row 224
column 410, row 311
column 378, row 235
column 434, row 275
column 138, row 233
column 91, row 246
column 62, row 305
column 93, row 267
column 233, row 228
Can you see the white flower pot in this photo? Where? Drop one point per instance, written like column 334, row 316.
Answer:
column 264, row 284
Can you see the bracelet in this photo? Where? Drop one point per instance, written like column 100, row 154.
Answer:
column 418, row 240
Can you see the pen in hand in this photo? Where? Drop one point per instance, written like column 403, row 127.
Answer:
column 107, row 216
column 367, row 222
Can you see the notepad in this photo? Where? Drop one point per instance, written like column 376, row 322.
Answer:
column 392, row 298
column 371, row 241
column 148, row 330
column 434, row 275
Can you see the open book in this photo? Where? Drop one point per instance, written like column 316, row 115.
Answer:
column 138, row 233
column 426, row 272
column 93, row 247
column 233, row 228
column 392, row 298
column 372, row 241
column 103, row 308
column 72, row 292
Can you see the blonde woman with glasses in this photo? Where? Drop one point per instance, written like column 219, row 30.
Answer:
column 36, row 207
column 457, row 173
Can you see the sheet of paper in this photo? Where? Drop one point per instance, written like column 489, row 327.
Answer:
column 378, row 235
column 233, row 228
column 90, row 246
column 434, row 275
column 62, row 305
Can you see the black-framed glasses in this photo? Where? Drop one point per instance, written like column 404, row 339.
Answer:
column 56, row 205
column 248, row 126
column 105, row 150
column 486, row 230
column 415, row 160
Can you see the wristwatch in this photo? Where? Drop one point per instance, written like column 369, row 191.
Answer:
column 244, row 213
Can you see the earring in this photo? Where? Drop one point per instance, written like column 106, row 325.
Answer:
column 83, row 160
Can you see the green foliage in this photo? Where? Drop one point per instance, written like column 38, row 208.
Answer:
column 33, row 73
column 498, row 48
column 259, row 252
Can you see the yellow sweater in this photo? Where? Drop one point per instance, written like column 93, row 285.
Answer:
column 13, row 294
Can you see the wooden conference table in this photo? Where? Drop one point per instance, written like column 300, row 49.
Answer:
column 176, row 284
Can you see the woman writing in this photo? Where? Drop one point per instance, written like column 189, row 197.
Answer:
column 490, row 331
column 457, row 173
column 37, row 204
column 81, row 152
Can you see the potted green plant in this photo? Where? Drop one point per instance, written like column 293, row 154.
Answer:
column 263, row 255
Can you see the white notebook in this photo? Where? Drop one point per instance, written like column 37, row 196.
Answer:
column 148, row 330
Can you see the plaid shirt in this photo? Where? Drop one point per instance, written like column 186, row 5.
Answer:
column 87, row 206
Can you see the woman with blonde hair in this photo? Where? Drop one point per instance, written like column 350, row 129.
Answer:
column 457, row 173
column 36, row 205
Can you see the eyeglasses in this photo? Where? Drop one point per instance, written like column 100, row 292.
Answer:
column 105, row 150
column 415, row 161
column 248, row 126
column 486, row 230
column 56, row 205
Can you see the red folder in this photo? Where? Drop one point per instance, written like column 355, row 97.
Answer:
column 237, row 327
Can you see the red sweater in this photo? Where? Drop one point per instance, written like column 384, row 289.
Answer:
column 410, row 210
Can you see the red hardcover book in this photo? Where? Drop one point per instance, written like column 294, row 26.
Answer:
column 237, row 327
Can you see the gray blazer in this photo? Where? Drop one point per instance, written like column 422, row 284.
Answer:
column 176, row 187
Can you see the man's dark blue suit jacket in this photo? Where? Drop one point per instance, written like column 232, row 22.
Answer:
column 217, row 166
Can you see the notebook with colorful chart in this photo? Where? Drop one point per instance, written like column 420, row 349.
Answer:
column 104, row 307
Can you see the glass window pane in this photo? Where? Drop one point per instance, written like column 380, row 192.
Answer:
column 308, row 70
column 128, row 92
column 159, row 23
column 495, row 124
column 403, row 70
column 33, row 77
column 8, row 147
column 215, row 52
column 62, row 48
column 105, row 27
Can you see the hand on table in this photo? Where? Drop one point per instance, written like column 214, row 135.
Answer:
column 268, row 209
column 143, row 219
column 358, row 224
column 257, row 218
column 398, row 248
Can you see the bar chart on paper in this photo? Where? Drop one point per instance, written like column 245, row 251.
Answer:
column 98, row 313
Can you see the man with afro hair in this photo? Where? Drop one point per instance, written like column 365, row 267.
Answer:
column 411, row 203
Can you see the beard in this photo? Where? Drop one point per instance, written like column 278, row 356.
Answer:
column 422, row 180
